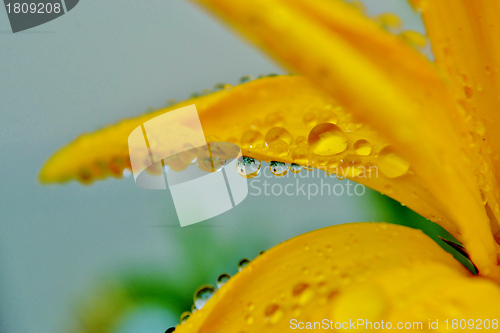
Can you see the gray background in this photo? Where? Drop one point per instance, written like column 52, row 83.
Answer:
column 103, row 61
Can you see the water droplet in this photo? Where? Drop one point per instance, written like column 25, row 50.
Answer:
column 303, row 292
column 274, row 119
column 273, row 313
column 126, row 173
column 170, row 330
column 415, row 38
column 184, row 316
column 327, row 139
column 469, row 92
column 248, row 167
column 251, row 138
column 279, row 147
column 327, row 116
column 242, row 264
column 202, row 295
column 278, row 133
column 251, row 307
column 222, row 279
column 295, row 168
column 362, row 147
column 391, row 164
column 250, row 320
column 310, row 118
column 300, row 140
column 301, row 155
column 351, row 160
column 389, row 21
column 246, row 78
column 279, row 169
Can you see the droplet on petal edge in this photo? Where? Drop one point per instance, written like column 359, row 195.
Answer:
column 202, row 295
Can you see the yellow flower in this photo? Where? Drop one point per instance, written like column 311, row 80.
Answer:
column 429, row 128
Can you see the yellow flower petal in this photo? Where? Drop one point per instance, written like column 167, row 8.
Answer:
column 464, row 35
column 384, row 83
column 368, row 271
column 269, row 109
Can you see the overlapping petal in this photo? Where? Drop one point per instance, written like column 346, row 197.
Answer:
column 465, row 36
column 385, row 83
column 368, row 271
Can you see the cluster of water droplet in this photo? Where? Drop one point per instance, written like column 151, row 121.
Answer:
column 205, row 292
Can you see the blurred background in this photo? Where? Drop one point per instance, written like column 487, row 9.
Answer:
column 111, row 257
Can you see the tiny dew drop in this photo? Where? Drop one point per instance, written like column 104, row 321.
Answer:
column 295, row 168
column 248, row 167
column 184, row 316
column 246, row 78
column 242, row 264
column 273, row 313
column 303, row 292
column 202, row 295
column 391, row 164
column 362, row 147
column 279, row 169
column 327, row 139
column 222, row 279
column 250, row 320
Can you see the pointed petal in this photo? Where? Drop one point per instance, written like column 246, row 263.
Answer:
column 465, row 38
column 369, row 271
column 384, row 83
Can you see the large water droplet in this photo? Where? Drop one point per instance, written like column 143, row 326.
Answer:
column 273, row 313
column 362, row 147
column 279, row 169
column 222, row 279
column 242, row 264
column 202, row 295
column 391, row 164
column 327, row 139
column 278, row 133
column 248, row 167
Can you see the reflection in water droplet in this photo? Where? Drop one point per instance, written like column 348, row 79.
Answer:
column 202, row 295
column 276, row 133
column 295, row 168
column 248, row 167
column 327, row 139
column 184, row 316
column 391, row 164
column 279, row 169
column 362, row 147
column 242, row 264
column 273, row 313
column 222, row 279
column 309, row 118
